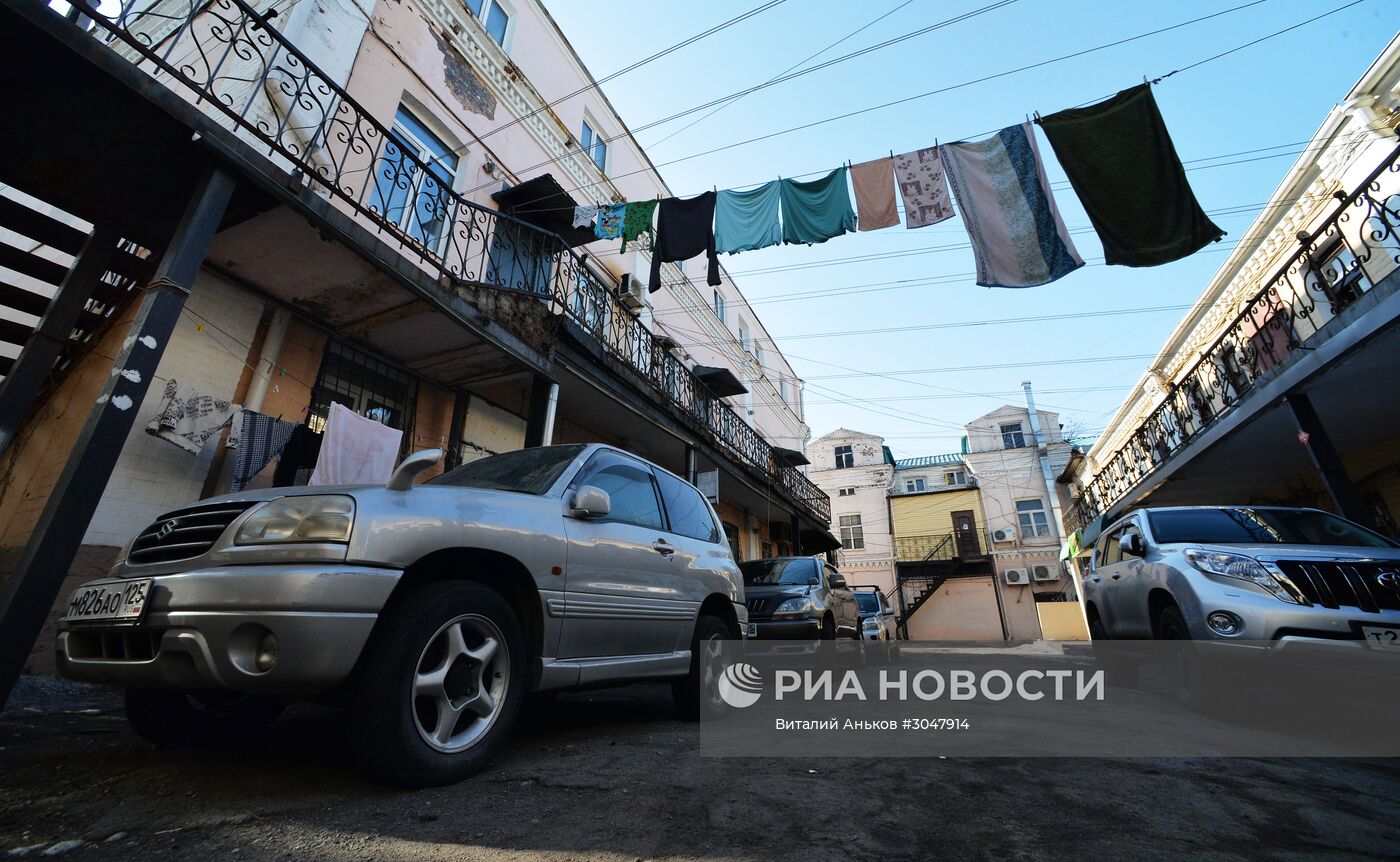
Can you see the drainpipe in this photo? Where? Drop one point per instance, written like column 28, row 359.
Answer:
column 267, row 359
column 1045, row 470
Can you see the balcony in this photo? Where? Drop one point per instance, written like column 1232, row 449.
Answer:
column 231, row 63
column 1343, row 271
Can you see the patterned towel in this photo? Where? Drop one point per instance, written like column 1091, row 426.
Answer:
column 1016, row 231
column 923, row 187
column 188, row 417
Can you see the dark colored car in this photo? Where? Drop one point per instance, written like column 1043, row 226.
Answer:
column 798, row 598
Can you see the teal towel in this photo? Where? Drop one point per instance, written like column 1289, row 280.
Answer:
column 816, row 211
column 745, row 221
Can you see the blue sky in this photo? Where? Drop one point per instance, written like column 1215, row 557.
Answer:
column 1267, row 96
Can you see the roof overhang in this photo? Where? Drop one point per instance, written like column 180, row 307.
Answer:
column 721, row 381
column 790, row 457
column 543, row 203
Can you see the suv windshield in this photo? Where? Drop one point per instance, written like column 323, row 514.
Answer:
column 761, row 573
column 869, row 603
column 525, row 471
column 1260, row 527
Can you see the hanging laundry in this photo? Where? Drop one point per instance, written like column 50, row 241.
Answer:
column 873, row 182
column 748, row 220
column 1121, row 162
column 685, row 229
column 356, row 450
column 585, row 217
column 298, row 458
column 260, row 439
column 923, row 187
column 610, row 221
column 817, row 210
column 1017, row 235
column 636, row 224
column 188, row 418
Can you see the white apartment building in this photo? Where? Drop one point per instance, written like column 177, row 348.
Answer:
column 856, row 470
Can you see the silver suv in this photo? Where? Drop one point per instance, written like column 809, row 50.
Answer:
column 1289, row 577
column 429, row 611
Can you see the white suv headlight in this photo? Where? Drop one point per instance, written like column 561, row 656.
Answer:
column 798, row 607
column 299, row 519
column 1238, row 566
column 872, row 623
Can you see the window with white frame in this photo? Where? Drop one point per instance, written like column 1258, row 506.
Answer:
column 413, row 180
column 719, row 306
column 955, row 477
column 758, row 354
column 852, row 533
column 1030, row 514
column 783, row 389
column 595, row 146
column 493, row 16
column 744, row 336
column 913, row 486
column 845, row 457
column 845, row 492
column 1012, row 437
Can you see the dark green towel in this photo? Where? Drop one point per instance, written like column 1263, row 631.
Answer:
column 1122, row 164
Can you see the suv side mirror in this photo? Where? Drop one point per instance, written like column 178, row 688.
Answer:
column 888, row 612
column 836, row 582
column 591, row 501
column 1131, row 545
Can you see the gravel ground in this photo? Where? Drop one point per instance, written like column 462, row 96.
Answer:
column 613, row 775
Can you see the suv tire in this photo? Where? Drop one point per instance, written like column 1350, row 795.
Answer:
column 439, row 686
column 175, row 719
column 1196, row 683
column 697, row 693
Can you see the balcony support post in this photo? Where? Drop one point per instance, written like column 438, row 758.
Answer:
column 1330, row 469
column 454, row 434
column 38, row 574
column 539, row 423
column 32, row 368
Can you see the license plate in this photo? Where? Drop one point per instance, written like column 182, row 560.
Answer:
column 753, row 630
column 1382, row 638
column 109, row 601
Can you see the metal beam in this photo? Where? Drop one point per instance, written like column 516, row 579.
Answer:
column 1330, row 469
column 454, row 434
column 32, row 368
column 38, row 574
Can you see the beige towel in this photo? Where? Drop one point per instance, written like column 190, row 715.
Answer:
column 874, row 185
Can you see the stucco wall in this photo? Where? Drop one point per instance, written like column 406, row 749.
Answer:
column 932, row 514
column 963, row 609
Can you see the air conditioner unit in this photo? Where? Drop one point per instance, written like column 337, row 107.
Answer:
column 1017, row 577
column 632, row 292
column 1005, row 534
column 1045, row 573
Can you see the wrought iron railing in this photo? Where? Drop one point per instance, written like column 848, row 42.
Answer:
column 230, row 60
column 924, row 549
column 1332, row 268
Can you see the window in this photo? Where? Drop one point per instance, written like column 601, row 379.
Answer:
column 1263, row 526
column 955, row 477
column 1109, row 552
column 1340, row 273
column 852, row 533
column 687, row 510
column 914, row 485
column 413, row 181
column 1011, row 436
column 845, row 458
column 767, row 550
column 595, row 146
column 845, row 492
column 758, row 354
column 524, row 471
column 1031, row 515
column 783, row 389
column 629, row 485
column 493, row 17
column 362, row 383
column 719, row 306
column 744, row 337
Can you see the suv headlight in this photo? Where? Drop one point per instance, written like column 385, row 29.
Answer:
column 872, row 623
column 798, row 607
column 299, row 519
column 1238, row 566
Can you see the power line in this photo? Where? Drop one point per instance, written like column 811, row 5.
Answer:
column 1035, row 318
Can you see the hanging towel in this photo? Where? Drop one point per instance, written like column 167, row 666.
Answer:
column 873, row 182
column 1122, row 164
column 923, row 187
column 585, row 216
column 356, row 450
column 610, row 221
column 298, row 458
column 260, row 439
column 818, row 210
column 748, row 220
column 188, row 417
column 685, row 229
column 636, row 224
column 1017, row 234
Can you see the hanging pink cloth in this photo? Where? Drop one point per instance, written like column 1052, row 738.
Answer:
column 356, row 450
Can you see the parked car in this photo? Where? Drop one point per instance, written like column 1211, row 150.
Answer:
column 800, row 599
column 428, row 610
column 1223, row 574
column 877, row 621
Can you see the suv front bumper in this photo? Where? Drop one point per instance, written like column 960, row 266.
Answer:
column 201, row 630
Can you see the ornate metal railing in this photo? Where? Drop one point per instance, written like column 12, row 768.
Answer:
column 1332, row 268
column 229, row 59
column 924, row 549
